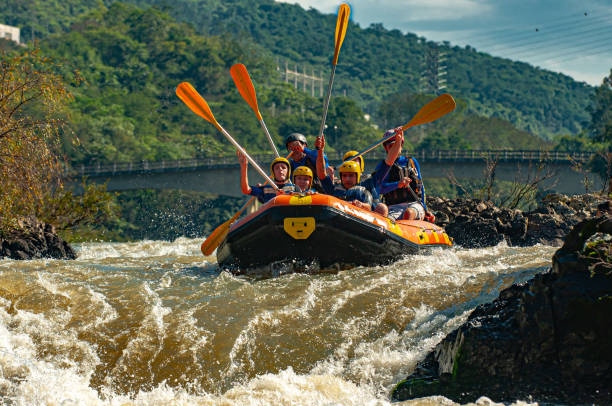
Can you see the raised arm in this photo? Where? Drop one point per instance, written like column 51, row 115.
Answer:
column 321, row 165
column 244, row 179
column 396, row 148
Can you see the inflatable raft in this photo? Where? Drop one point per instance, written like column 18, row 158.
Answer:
column 324, row 229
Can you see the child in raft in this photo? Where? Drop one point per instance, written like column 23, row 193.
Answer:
column 280, row 171
column 302, row 179
column 348, row 189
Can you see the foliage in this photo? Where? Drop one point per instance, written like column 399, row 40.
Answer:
column 67, row 210
column 375, row 63
column 32, row 102
column 126, row 109
column 29, row 168
column 521, row 193
column 568, row 142
column 601, row 112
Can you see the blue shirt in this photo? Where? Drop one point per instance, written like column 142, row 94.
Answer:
column 341, row 192
column 266, row 193
column 311, row 155
column 381, row 172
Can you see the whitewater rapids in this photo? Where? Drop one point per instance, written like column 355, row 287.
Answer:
column 156, row 323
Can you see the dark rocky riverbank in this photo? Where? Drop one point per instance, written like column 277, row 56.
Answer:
column 547, row 340
column 35, row 240
column 475, row 223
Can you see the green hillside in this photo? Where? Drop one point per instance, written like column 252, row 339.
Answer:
column 126, row 110
column 375, row 63
column 131, row 60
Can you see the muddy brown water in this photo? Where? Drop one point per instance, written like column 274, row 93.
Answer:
column 156, row 323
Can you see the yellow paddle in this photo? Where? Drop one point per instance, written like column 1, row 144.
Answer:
column 245, row 87
column 341, row 24
column 432, row 111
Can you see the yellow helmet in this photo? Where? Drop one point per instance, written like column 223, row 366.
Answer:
column 353, row 153
column 278, row 160
column 303, row 170
column 350, row 167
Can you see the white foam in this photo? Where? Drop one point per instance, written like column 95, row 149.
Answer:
column 141, row 249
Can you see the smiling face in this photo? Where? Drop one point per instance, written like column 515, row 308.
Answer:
column 281, row 171
column 348, row 179
column 303, row 182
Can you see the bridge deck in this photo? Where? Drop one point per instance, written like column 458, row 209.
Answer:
column 180, row 165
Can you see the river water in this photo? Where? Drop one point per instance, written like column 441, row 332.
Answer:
column 156, row 323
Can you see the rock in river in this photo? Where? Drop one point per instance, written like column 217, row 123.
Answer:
column 548, row 339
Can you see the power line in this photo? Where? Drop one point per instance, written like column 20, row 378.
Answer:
column 542, row 32
column 603, row 48
column 515, row 34
column 548, row 39
column 584, row 41
column 512, row 29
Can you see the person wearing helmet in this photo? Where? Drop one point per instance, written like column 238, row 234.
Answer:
column 302, row 179
column 280, row 171
column 349, row 188
column 399, row 181
column 303, row 156
column 369, row 183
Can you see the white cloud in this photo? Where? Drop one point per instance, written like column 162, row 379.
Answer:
column 419, row 10
column 398, row 11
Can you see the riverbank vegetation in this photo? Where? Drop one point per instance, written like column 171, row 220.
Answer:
column 33, row 99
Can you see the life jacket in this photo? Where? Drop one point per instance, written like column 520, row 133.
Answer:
column 269, row 192
column 403, row 195
column 368, row 182
column 316, row 182
column 357, row 192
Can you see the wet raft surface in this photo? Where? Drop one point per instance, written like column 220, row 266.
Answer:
column 323, row 229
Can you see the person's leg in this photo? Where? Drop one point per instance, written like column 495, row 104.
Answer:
column 414, row 211
column 381, row 209
column 397, row 210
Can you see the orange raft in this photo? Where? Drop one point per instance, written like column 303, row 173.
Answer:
column 324, row 229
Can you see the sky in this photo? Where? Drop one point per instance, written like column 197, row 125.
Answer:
column 573, row 37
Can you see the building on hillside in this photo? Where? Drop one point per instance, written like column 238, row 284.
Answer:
column 10, row 33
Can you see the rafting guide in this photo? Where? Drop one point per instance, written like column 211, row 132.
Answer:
column 399, row 178
column 301, row 155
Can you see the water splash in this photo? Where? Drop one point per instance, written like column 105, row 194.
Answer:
column 154, row 322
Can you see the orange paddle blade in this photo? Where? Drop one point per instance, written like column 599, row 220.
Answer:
column 341, row 24
column 432, row 111
column 214, row 240
column 219, row 234
column 245, row 86
column 195, row 102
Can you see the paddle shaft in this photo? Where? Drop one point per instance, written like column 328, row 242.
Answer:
column 248, row 157
column 263, row 125
column 370, row 148
column 327, row 97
